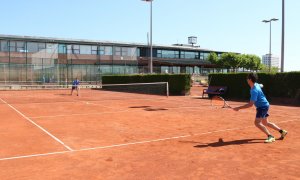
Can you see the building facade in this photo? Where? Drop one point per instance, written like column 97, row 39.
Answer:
column 39, row 60
column 270, row 60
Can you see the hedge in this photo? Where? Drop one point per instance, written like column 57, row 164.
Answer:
column 281, row 85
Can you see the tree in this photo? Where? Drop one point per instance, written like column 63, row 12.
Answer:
column 233, row 60
column 244, row 58
column 251, row 62
column 254, row 62
column 267, row 70
column 213, row 58
column 230, row 60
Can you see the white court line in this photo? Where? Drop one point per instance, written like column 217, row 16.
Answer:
column 133, row 143
column 83, row 114
column 28, row 119
column 89, row 102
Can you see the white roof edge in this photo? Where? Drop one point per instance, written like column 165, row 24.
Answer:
column 101, row 42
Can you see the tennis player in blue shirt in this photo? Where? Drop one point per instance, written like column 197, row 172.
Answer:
column 262, row 107
column 75, row 85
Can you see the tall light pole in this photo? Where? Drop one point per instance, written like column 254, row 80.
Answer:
column 150, row 64
column 270, row 53
column 282, row 39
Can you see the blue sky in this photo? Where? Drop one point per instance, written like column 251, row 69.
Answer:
column 222, row 25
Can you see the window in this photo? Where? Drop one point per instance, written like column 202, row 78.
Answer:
column 159, row 52
column 132, row 52
column 73, row 49
column 84, row 49
column 76, row 49
column 206, row 56
column 124, row 51
column 167, row 54
column 105, row 50
column 201, row 56
column 32, row 47
column 102, row 50
column 35, row 47
column 51, row 48
column 94, row 49
column 4, row 46
column 189, row 55
column 41, row 46
column 12, row 46
column 62, row 49
column 117, row 51
column 20, row 46
column 69, row 49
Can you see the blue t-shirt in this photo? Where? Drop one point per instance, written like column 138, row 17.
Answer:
column 75, row 83
column 258, row 96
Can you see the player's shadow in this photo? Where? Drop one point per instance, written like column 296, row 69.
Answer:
column 227, row 143
column 155, row 109
column 139, row 106
column 63, row 94
column 149, row 108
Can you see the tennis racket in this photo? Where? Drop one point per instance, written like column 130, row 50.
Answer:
column 219, row 102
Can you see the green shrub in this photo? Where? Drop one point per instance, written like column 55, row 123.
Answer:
column 284, row 85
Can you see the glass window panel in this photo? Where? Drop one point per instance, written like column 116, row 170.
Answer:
column 85, row 49
column 138, row 52
column 117, row 51
column 132, row 51
column 159, row 53
column 206, row 56
column 12, row 46
column 20, row 46
column 94, row 48
column 124, row 51
column 170, row 54
column 189, row 55
column 182, row 54
column 108, row 50
column 41, row 46
column 4, row 46
column 62, row 49
column 102, row 50
column 201, row 56
column 32, row 47
column 69, row 49
column 76, row 49
column 52, row 48
column 75, row 46
column 20, row 49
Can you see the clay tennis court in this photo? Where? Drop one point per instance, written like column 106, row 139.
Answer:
column 113, row 135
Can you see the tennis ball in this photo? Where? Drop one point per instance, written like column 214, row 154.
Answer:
column 261, row 85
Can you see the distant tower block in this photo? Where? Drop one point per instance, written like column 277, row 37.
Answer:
column 192, row 40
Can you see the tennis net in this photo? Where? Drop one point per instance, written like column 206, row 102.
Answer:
column 18, row 93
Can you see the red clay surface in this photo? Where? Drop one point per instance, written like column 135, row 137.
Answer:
column 109, row 135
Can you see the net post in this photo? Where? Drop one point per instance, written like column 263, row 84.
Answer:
column 167, row 89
